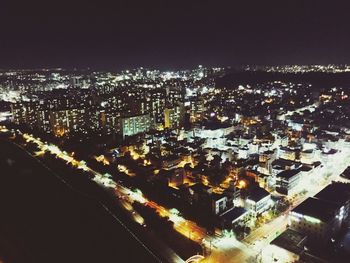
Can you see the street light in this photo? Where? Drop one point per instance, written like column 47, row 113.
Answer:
column 189, row 234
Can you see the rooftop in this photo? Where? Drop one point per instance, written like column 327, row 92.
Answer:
column 308, row 151
column 217, row 197
column 284, row 162
column 317, row 208
column 329, row 152
column 287, row 174
column 268, row 152
column 199, row 188
column 257, row 194
column 290, row 240
column 233, row 214
column 346, row 173
column 287, row 149
column 336, row 192
column 305, row 168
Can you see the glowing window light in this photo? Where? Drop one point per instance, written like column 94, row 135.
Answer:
column 241, row 184
column 250, row 201
column 312, row 219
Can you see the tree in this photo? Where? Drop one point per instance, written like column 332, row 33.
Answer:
column 217, row 176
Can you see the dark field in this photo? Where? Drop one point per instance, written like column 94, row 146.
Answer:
column 42, row 220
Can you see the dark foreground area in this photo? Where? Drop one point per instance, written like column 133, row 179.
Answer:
column 42, row 220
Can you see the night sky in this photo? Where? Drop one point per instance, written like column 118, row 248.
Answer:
column 171, row 34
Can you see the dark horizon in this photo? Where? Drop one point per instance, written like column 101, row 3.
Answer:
column 157, row 34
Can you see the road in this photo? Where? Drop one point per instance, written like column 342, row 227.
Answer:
column 262, row 236
column 122, row 191
column 186, row 227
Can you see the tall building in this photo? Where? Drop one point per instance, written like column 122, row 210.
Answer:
column 110, row 123
column 135, row 124
column 173, row 116
column 197, row 109
column 156, row 100
column 175, row 94
column 65, row 122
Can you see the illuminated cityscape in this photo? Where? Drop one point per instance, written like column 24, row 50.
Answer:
column 233, row 173
column 142, row 132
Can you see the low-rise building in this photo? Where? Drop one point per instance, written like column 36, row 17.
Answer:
column 280, row 165
column 281, row 139
column 265, row 161
column 219, row 203
column 258, row 201
column 287, row 181
column 287, row 153
column 233, row 195
column 198, row 192
column 243, row 152
column 261, row 178
column 234, row 217
column 307, row 156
